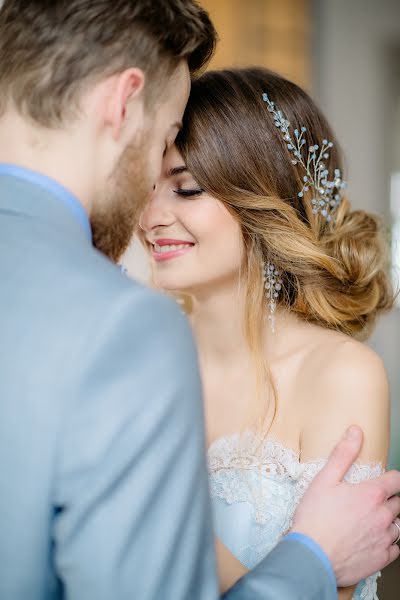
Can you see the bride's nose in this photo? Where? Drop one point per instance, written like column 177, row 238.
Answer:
column 157, row 212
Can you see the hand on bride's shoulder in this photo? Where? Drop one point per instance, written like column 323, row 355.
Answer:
column 349, row 386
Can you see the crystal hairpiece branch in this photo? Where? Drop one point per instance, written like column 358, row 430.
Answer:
column 327, row 194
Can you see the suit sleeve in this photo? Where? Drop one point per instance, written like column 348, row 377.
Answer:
column 292, row 571
column 132, row 515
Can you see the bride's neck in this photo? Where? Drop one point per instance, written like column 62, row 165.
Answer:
column 217, row 322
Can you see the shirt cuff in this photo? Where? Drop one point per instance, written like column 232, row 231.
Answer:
column 316, row 548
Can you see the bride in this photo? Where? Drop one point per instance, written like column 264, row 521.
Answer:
column 249, row 222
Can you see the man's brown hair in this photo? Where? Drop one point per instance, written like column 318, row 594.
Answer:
column 50, row 50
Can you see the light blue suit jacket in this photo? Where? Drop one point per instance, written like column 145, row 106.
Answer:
column 103, row 481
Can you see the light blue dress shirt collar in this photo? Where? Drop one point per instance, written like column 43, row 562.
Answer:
column 55, row 188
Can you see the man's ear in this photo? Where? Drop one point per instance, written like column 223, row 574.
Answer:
column 124, row 87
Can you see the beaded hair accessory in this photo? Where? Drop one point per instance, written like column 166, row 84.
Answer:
column 327, row 194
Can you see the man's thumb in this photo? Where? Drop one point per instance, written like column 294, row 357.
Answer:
column 343, row 456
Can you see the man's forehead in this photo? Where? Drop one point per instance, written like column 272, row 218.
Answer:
column 174, row 97
column 177, row 100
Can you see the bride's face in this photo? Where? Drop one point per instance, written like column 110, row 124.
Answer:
column 194, row 243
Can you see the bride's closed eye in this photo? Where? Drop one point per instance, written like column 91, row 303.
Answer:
column 189, row 192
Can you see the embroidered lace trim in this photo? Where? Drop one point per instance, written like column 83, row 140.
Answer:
column 233, row 462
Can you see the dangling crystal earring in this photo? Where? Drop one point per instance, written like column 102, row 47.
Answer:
column 273, row 285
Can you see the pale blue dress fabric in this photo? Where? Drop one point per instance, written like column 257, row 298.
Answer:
column 255, row 487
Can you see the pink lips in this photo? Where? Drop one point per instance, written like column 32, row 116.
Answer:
column 177, row 248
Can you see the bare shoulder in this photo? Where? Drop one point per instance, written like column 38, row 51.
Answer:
column 348, row 385
column 348, row 367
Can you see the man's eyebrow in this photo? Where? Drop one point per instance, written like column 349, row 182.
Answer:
column 177, row 170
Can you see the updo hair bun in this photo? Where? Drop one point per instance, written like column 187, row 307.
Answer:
column 356, row 287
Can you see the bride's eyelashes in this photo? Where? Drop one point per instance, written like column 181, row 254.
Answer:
column 189, row 192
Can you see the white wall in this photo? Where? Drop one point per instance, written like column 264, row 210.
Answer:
column 135, row 260
column 357, row 81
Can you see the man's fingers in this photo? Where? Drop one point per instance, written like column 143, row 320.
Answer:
column 342, row 457
column 390, row 483
column 394, row 505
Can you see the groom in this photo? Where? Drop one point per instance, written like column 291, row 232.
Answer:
column 103, row 492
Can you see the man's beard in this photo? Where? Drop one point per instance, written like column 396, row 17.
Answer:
column 115, row 219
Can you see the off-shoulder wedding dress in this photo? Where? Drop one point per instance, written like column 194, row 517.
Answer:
column 256, row 485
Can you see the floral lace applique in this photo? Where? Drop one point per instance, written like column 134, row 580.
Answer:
column 272, row 480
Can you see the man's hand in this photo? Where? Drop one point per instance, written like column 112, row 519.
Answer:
column 353, row 523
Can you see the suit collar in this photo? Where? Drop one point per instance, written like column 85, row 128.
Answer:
column 32, row 194
column 31, row 182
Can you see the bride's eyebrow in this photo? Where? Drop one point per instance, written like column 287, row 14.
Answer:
column 177, row 170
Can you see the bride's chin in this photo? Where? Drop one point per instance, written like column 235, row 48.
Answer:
column 173, row 289
column 175, row 284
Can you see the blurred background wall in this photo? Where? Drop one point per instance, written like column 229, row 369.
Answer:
column 347, row 54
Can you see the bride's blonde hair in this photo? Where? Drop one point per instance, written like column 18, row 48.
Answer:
column 334, row 274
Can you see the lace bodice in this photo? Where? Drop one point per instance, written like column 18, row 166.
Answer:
column 256, row 485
